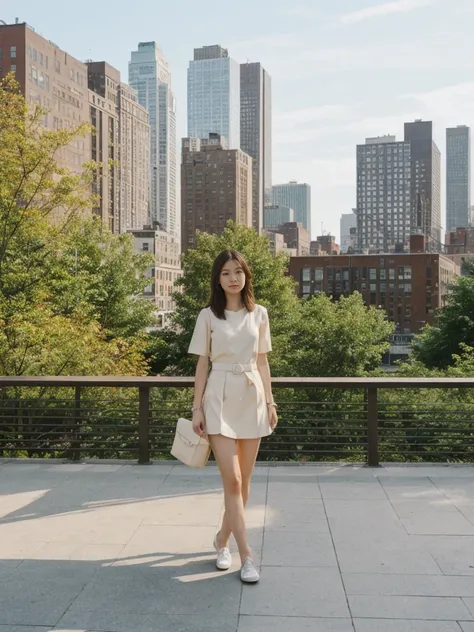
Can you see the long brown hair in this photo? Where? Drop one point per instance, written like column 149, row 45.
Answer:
column 218, row 299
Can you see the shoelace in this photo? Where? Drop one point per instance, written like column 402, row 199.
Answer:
column 249, row 565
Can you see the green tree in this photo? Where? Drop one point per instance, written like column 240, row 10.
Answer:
column 103, row 275
column 273, row 288
column 54, row 320
column 343, row 338
column 437, row 346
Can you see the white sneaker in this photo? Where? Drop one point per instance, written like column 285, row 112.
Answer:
column 248, row 572
column 224, row 558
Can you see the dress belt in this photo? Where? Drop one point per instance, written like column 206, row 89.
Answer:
column 236, row 369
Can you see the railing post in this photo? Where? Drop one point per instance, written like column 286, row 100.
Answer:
column 76, row 441
column 144, row 425
column 372, row 427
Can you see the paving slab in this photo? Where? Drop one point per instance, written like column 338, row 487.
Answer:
column 408, row 585
column 293, row 624
column 377, row 625
column 286, row 592
column 120, row 622
column 425, row 608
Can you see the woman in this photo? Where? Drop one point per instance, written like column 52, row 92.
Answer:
column 233, row 405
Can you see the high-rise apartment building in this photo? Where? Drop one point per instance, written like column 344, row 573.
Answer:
column 216, row 186
column 347, row 225
column 121, row 144
column 150, row 76
column 214, row 95
column 296, row 196
column 275, row 215
column 458, row 177
column 256, row 133
column 134, row 164
column 426, row 182
column 104, row 82
column 384, row 191
column 53, row 79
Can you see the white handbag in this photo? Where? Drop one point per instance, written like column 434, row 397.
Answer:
column 188, row 447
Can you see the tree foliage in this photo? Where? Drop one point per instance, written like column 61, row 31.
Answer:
column 436, row 347
column 317, row 337
column 68, row 289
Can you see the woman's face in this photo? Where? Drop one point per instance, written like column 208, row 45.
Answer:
column 232, row 278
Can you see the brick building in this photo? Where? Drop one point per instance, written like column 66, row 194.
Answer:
column 216, row 186
column 324, row 245
column 51, row 78
column 460, row 241
column 295, row 236
column 409, row 286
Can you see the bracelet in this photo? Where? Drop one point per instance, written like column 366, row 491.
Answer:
column 194, row 410
column 272, row 404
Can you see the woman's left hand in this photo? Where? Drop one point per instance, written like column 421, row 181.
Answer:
column 273, row 417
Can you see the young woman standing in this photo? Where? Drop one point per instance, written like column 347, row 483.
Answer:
column 233, row 404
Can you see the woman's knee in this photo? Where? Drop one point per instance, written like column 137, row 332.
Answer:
column 233, row 484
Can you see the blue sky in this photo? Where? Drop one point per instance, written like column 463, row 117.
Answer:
column 341, row 70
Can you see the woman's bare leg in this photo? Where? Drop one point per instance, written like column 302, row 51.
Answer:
column 225, row 453
column 247, row 450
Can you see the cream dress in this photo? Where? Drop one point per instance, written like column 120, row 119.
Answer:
column 234, row 404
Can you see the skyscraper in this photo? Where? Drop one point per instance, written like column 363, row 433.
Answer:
column 426, row 182
column 347, row 224
column 134, row 165
column 104, row 83
column 216, row 186
column 296, row 196
column 383, row 194
column 150, row 75
column 256, row 133
column 458, row 177
column 214, row 95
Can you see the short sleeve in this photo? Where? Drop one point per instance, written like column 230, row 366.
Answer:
column 201, row 340
column 264, row 338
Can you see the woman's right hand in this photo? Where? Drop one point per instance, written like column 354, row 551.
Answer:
column 199, row 423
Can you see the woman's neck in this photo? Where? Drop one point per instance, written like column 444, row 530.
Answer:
column 233, row 303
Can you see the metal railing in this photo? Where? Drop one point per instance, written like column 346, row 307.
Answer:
column 365, row 420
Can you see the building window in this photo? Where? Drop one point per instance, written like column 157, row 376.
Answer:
column 306, row 274
column 13, row 67
column 318, row 274
column 12, row 52
column 145, row 246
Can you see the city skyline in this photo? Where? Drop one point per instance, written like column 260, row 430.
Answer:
column 372, row 84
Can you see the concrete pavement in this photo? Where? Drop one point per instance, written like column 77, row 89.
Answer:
column 117, row 547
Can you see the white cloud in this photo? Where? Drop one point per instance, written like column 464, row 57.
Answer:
column 450, row 105
column 387, row 8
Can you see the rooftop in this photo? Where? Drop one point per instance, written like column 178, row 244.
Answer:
column 112, row 546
